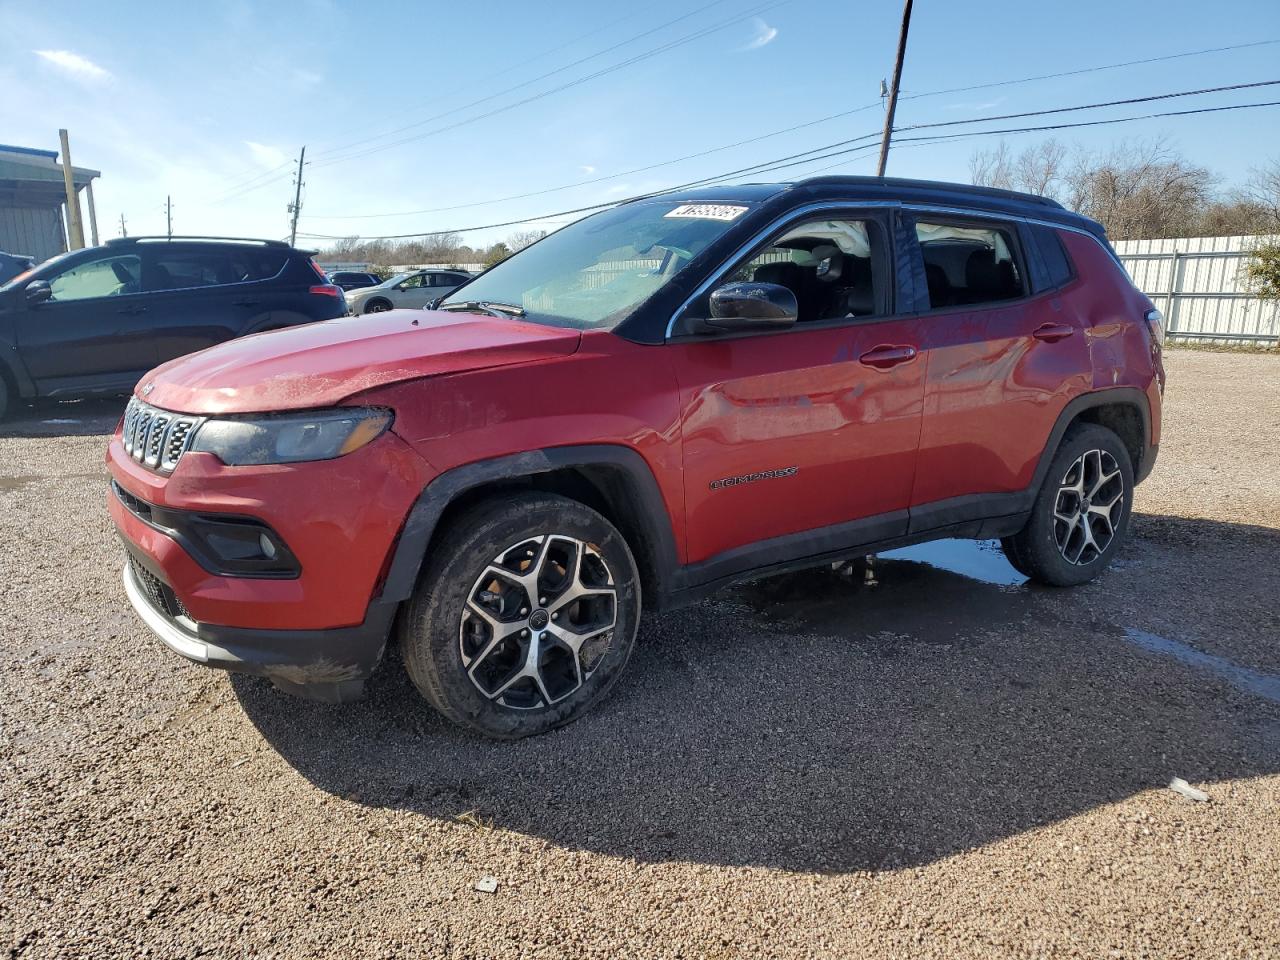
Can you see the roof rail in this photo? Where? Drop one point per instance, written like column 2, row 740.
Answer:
column 120, row 241
column 903, row 182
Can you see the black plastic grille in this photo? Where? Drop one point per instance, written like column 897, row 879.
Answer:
column 158, row 593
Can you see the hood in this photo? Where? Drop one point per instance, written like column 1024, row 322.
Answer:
column 320, row 364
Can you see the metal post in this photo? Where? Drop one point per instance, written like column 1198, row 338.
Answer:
column 75, row 230
column 1175, row 288
column 893, row 92
column 93, row 214
column 168, row 216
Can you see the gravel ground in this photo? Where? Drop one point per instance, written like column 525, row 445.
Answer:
column 931, row 766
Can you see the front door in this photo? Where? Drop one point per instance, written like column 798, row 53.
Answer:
column 800, row 440
column 92, row 335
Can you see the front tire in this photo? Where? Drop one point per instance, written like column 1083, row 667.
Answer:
column 525, row 616
column 377, row 305
column 1080, row 517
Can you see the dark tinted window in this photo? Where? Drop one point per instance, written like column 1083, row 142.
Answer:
column 1057, row 266
column 966, row 264
column 451, row 279
column 180, row 269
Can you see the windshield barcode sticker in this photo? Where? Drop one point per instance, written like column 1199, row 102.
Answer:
column 708, row 211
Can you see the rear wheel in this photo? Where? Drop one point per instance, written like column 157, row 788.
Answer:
column 1080, row 518
column 377, row 305
column 525, row 616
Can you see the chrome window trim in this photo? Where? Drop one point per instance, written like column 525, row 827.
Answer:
column 810, row 208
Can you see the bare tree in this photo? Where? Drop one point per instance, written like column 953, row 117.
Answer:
column 1263, row 189
column 522, row 238
column 1136, row 189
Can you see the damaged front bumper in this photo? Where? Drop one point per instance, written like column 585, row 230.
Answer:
column 327, row 665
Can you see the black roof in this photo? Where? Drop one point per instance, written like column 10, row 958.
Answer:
column 958, row 195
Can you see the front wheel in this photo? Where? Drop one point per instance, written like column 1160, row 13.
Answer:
column 1080, row 518
column 377, row 306
column 525, row 616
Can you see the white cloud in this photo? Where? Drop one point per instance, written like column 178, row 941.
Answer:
column 587, row 168
column 976, row 105
column 265, row 155
column 74, row 64
column 306, row 78
column 765, row 35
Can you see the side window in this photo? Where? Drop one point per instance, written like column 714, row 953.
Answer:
column 966, row 264
column 830, row 265
column 1056, row 264
column 180, row 269
column 451, row 279
column 111, row 277
column 416, row 281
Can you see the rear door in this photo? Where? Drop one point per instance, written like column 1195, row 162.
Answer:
column 1003, row 359
column 199, row 295
column 810, row 432
column 92, row 335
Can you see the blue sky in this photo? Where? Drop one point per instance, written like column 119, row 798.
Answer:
column 206, row 102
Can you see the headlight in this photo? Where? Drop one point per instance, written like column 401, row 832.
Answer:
column 291, row 437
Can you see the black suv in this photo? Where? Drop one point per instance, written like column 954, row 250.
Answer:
column 94, row 321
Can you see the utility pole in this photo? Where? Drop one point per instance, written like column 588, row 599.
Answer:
column 893, row 91
column 74, row 227
column 123, row 231
column 168, row 215
column 296, row 206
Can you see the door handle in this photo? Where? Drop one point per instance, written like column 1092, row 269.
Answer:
column 132, row 310
column 886, row 356
column 1051, row 332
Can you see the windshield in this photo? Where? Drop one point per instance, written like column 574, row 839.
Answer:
column 595, row 272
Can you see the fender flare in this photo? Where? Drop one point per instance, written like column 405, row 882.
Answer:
column 1111, row 396
column 650, row 509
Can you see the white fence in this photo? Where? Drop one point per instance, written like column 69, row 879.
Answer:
column 1198, row 284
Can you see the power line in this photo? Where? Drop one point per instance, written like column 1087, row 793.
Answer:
column 785, row 162
column 766, row 136
column 663, row 48
column 533, row 80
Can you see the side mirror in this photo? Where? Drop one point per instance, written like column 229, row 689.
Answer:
column 751, row 306
column 38, row 291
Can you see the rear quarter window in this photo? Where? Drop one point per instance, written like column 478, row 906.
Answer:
column 1057, row 264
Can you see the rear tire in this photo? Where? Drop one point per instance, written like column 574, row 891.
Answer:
column 1080, row 517
column 525, row 616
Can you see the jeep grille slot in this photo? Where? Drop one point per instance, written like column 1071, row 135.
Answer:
column 156, row 438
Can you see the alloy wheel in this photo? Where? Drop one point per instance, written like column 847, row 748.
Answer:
column 1088, row 507
column 538, row 621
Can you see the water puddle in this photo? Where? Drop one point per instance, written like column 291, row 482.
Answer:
column 980, row 560
column 1265, row 685
column 949, row 592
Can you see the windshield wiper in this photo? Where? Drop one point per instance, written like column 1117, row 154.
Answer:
column 488, row 306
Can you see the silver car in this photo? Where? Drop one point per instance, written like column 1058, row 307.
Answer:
column 412, row 290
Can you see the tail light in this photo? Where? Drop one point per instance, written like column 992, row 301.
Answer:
column 1155, row 323
column 318, row 269
column 327, row 290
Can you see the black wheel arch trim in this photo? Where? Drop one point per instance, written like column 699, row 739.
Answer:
column 1109, row 396
column 650, row 511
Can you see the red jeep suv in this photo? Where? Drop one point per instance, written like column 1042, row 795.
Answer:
column 655, row 401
